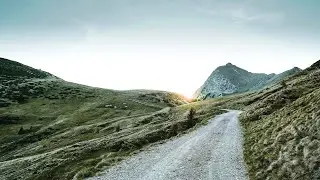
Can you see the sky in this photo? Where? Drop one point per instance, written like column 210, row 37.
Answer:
column 171, row 45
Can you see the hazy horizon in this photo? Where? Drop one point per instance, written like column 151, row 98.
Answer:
column 171, row 45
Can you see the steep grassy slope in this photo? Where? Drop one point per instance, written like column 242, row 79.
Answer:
column 282, row 129
column 53, row 129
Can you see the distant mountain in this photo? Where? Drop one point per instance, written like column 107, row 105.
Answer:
column 229, row 79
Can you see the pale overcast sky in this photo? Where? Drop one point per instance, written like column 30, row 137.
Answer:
column 158, row 44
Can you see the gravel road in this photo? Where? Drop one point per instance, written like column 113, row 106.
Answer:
column 211, row 152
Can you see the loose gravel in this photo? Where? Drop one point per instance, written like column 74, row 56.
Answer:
column 211, row 152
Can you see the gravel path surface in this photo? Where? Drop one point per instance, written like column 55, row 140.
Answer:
column 211, row 152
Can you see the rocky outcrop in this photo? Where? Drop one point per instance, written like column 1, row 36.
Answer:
column 229, row 79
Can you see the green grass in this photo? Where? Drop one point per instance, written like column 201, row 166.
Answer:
column 52, row 129
column 64, row 130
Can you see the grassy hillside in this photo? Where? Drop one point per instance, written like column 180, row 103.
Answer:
column 53, row 129
column 278, row 78
column 282, row 129
column 15, row 69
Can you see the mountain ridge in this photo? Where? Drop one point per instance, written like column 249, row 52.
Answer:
column 16, row 69
column 230, row 79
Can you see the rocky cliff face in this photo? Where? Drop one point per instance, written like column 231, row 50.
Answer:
column 229, row 79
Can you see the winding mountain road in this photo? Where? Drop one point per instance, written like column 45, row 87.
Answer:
column 211, row 152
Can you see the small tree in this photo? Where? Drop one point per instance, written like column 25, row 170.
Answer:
column 21, row 130
column 190, row 118
column 191, row 114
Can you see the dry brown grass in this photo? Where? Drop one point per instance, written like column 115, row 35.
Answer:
column 282, row 130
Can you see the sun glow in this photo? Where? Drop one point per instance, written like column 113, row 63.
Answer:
column 177, row 64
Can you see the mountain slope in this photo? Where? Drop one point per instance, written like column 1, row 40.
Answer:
column 15, row 69
column 282, row 129
column 231, row 79
column 279, row 77
column 53, row 129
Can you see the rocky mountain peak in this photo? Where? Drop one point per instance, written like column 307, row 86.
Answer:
column 229, row 79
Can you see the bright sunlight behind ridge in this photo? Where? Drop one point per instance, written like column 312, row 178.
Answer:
column 158, row 44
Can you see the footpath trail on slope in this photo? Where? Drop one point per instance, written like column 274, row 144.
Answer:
column 212, row 152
